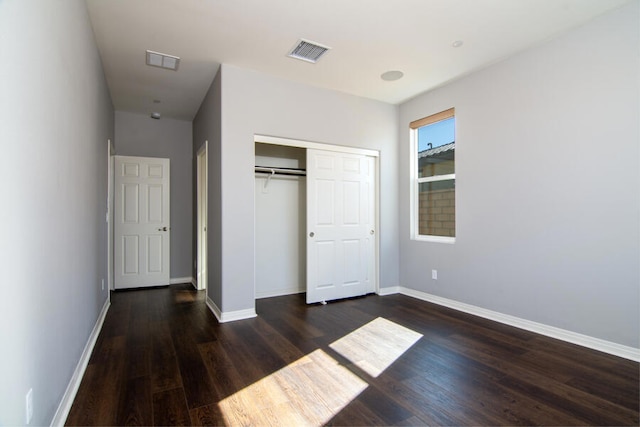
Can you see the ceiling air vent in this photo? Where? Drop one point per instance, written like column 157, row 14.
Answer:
column 308, row 51
column 162, row 60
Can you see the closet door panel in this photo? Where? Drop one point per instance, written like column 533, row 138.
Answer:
column 340, row 225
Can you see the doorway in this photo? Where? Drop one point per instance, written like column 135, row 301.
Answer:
column 202, row 179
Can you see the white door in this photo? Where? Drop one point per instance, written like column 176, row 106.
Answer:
column 340, row 225
column 141, row 222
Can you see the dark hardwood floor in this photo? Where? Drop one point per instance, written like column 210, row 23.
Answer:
column 163, row 359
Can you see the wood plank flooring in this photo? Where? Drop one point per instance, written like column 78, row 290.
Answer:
column 162, row 359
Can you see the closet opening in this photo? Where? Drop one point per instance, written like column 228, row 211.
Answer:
column 280, row 220
column 316, row 220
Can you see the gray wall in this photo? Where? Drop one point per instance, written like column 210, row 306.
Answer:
column 140, row 135
column 56, row 116
column 207, row 126
column 255, row 103
column 548, row 185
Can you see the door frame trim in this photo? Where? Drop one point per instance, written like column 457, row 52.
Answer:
column 274, row 140
column 111, row 152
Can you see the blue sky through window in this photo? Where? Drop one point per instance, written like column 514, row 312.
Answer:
column 437, row 134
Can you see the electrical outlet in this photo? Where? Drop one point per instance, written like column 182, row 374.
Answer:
column 29, row 406
column 434, row 274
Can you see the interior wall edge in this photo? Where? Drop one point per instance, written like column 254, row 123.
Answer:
column 230, row 316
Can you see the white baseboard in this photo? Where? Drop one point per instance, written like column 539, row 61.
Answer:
column 214, row 308
column 230, row 316
column 279, row 292
column 389, row 290
column 609, row 347
column 62, row 412
column 180, row 280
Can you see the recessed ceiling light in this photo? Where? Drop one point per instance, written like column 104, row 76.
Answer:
column 162, row 60
column 457, row 43
column 308, row 51
column 390, row 76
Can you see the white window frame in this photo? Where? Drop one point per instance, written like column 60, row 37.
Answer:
column 416, row 181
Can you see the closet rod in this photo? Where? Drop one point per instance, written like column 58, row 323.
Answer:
column 280, row 171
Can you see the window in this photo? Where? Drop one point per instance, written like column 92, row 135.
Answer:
column 434, row 177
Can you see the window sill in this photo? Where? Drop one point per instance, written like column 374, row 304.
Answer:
column 435, row 239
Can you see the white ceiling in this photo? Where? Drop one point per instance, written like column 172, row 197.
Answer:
column 367, row 37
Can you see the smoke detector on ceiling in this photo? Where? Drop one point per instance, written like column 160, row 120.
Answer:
column 308, row 51
column 162, row 60
column 392, row 75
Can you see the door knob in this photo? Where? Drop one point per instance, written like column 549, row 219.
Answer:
column 312, row 234
column 162, row 229
column 371, row 232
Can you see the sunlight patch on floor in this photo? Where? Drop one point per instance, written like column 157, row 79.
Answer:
column 315, row 388
column 376, row 345
column 309, row 391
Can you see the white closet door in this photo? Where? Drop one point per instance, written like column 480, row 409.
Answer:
column 340, row 225
column 141, row 222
